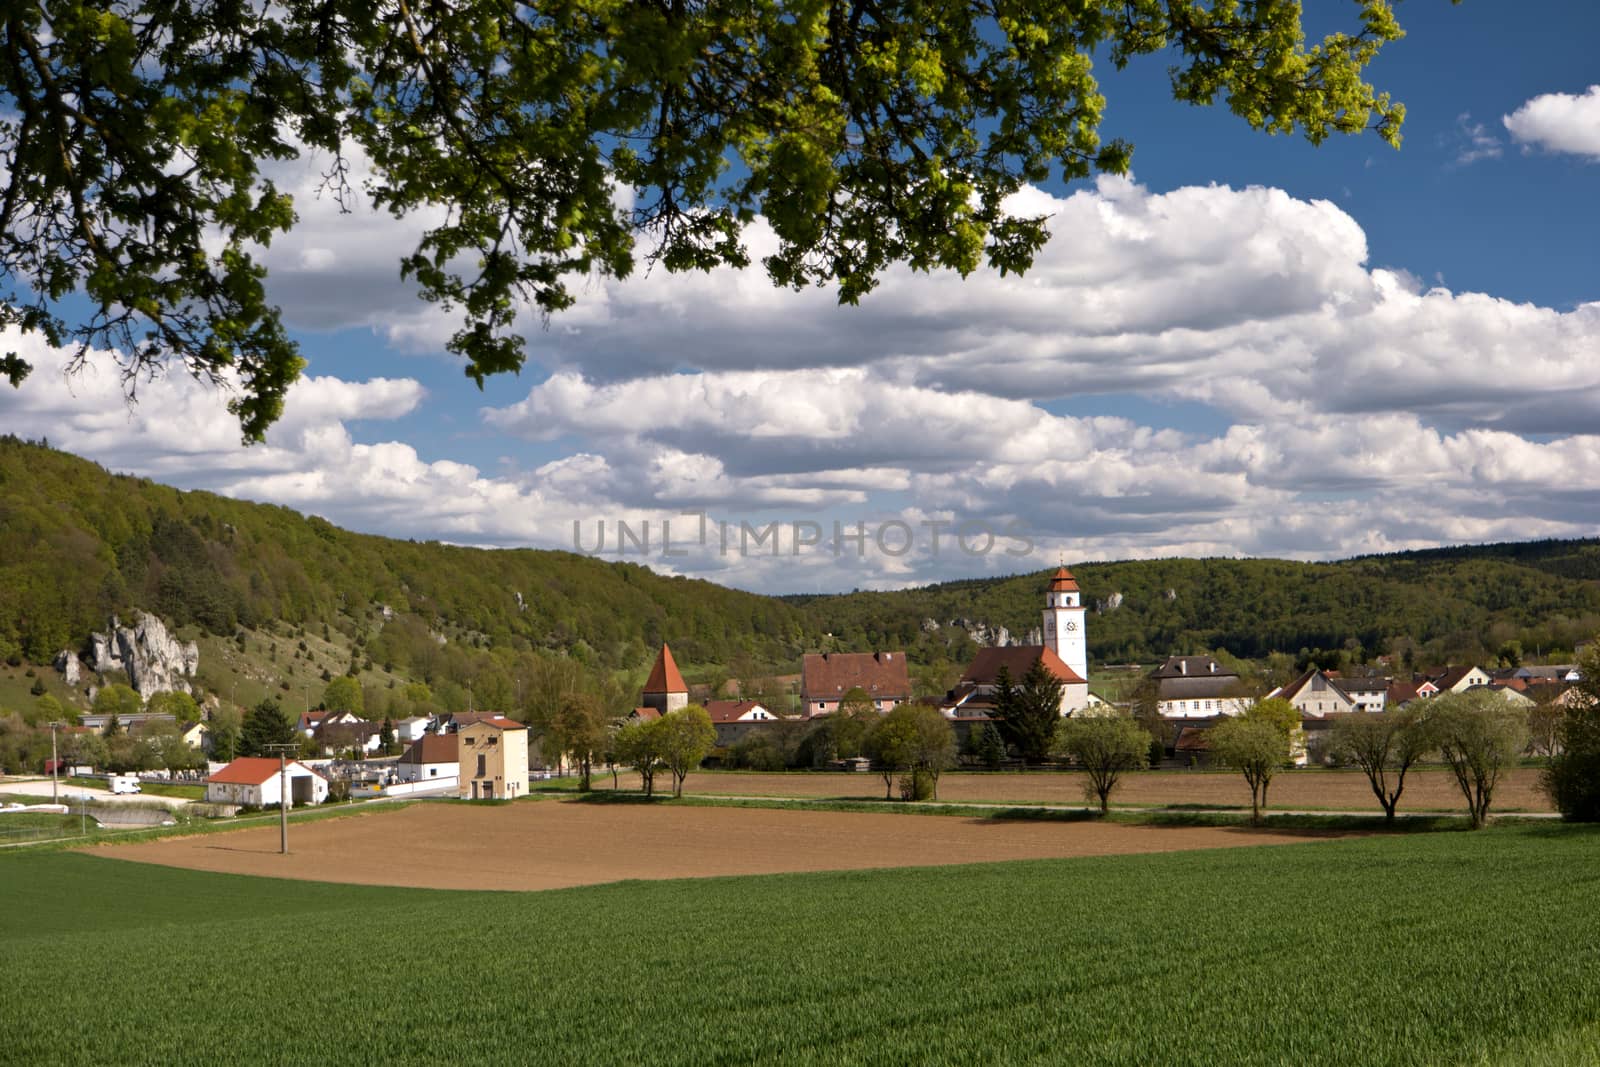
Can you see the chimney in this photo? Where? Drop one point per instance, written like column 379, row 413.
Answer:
column 1213, row 665
column 1183, row 665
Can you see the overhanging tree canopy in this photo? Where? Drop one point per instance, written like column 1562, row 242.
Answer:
column 561, row 138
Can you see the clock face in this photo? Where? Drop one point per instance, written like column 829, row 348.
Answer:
column 1069, row 626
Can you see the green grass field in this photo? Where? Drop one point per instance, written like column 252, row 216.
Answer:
column 1450, row 948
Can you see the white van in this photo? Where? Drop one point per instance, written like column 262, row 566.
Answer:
column 124, row 783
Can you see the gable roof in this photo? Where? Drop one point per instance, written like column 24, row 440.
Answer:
column 645, row 714
column 1313, row 681
column 833, row 674
column 1191, row 667
column 433, row 748
column 1452, row 677
column 732, row 710
column 664, row 676
column 496, row 722
column 253, row 770
column 1017, row 660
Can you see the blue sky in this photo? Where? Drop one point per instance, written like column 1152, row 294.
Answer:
column 1253, row 346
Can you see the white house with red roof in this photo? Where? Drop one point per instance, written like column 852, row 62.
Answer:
column 255, row 781
column 431, row 758
column 732, row 719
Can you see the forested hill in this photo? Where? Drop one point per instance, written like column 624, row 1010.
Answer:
column 1456, row 604
column 78, row 543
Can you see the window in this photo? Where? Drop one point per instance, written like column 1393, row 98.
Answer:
column 483, row 767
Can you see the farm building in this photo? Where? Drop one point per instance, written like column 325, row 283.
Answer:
column 493, row 759
column 254, row 780
column 826, row 677
column 732, row 719
column 431, row 758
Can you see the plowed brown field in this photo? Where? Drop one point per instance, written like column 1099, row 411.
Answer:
column 553, row 844
column 1430, row 790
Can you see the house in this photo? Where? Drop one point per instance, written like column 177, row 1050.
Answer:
column 309, row 721
column 1314, row 695
column 1511, row 695
column 826, row 677
column 664, row 690
column 1460, row 679
column 1369, row 692
column 255, row 781
column 1197, row 686
column 492, row 759
column 195, row 734
column 733, row 719
column 339, row 734
column 453, row 723
column 432, row 758
column 412, row 729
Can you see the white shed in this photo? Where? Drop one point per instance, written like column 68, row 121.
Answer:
column 254, row 780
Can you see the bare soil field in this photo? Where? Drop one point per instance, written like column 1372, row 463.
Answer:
column 554, row 844
column 1429, row 790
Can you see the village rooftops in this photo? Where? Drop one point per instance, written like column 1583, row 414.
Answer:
column 737, row 710
column 433, row 748
column 1018, row 660
column 252, row 770
column 830, row 675
column 498, row 722
column 1191, row 667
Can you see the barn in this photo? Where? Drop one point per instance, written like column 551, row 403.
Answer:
column 253, row 780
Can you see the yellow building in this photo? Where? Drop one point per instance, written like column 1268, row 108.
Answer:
column 494, row 759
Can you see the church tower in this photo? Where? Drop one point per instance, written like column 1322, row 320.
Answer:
column 1064, row 622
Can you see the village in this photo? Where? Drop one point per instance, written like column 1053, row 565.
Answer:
column 485, row 755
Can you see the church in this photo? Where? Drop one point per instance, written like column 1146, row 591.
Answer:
column 1065, row 654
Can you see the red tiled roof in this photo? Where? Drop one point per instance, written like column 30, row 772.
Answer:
column 251, row 770
column 1018, row 660
column 645, row 714
column 499, row 722
column 831, row 675
column 433, row 748
column 732, row 710
column 1063, row 582
column 664, row 676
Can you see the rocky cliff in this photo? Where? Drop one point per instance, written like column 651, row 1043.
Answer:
column 152, row 659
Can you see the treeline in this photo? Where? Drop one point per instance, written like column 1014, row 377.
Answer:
column 78, row 543
column 1446, row 605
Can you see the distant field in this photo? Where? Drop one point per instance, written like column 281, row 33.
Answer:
column 1429, row 790
column 552, row 844
column 1451, row 948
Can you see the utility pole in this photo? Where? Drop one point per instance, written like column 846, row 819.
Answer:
column 283, row 751
column 55, row 765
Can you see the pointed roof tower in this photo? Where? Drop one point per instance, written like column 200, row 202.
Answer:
column 664, row 676
column 1063, row 581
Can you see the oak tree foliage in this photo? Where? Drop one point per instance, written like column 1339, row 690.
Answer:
column 576, row 137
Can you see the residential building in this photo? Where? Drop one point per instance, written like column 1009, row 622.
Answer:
column 826, row 677
column 974, row 695
column 432, row 758
column 1460, row 679
column 493, row 759
column 1315, row 695
column 733, row 719
column 256, row 781
column 1198, row 686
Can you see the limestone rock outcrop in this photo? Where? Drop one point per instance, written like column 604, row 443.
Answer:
column 152, row 659
column 67, row 663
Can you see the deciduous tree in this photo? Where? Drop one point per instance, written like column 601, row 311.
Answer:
column 1573, row 778
column 1256, row 748
column 1106, row 747
column 685, row 737
column 637, row 746
column 344, row 694
column 136, row 133
column 1479, row 735
column 1385, row 746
